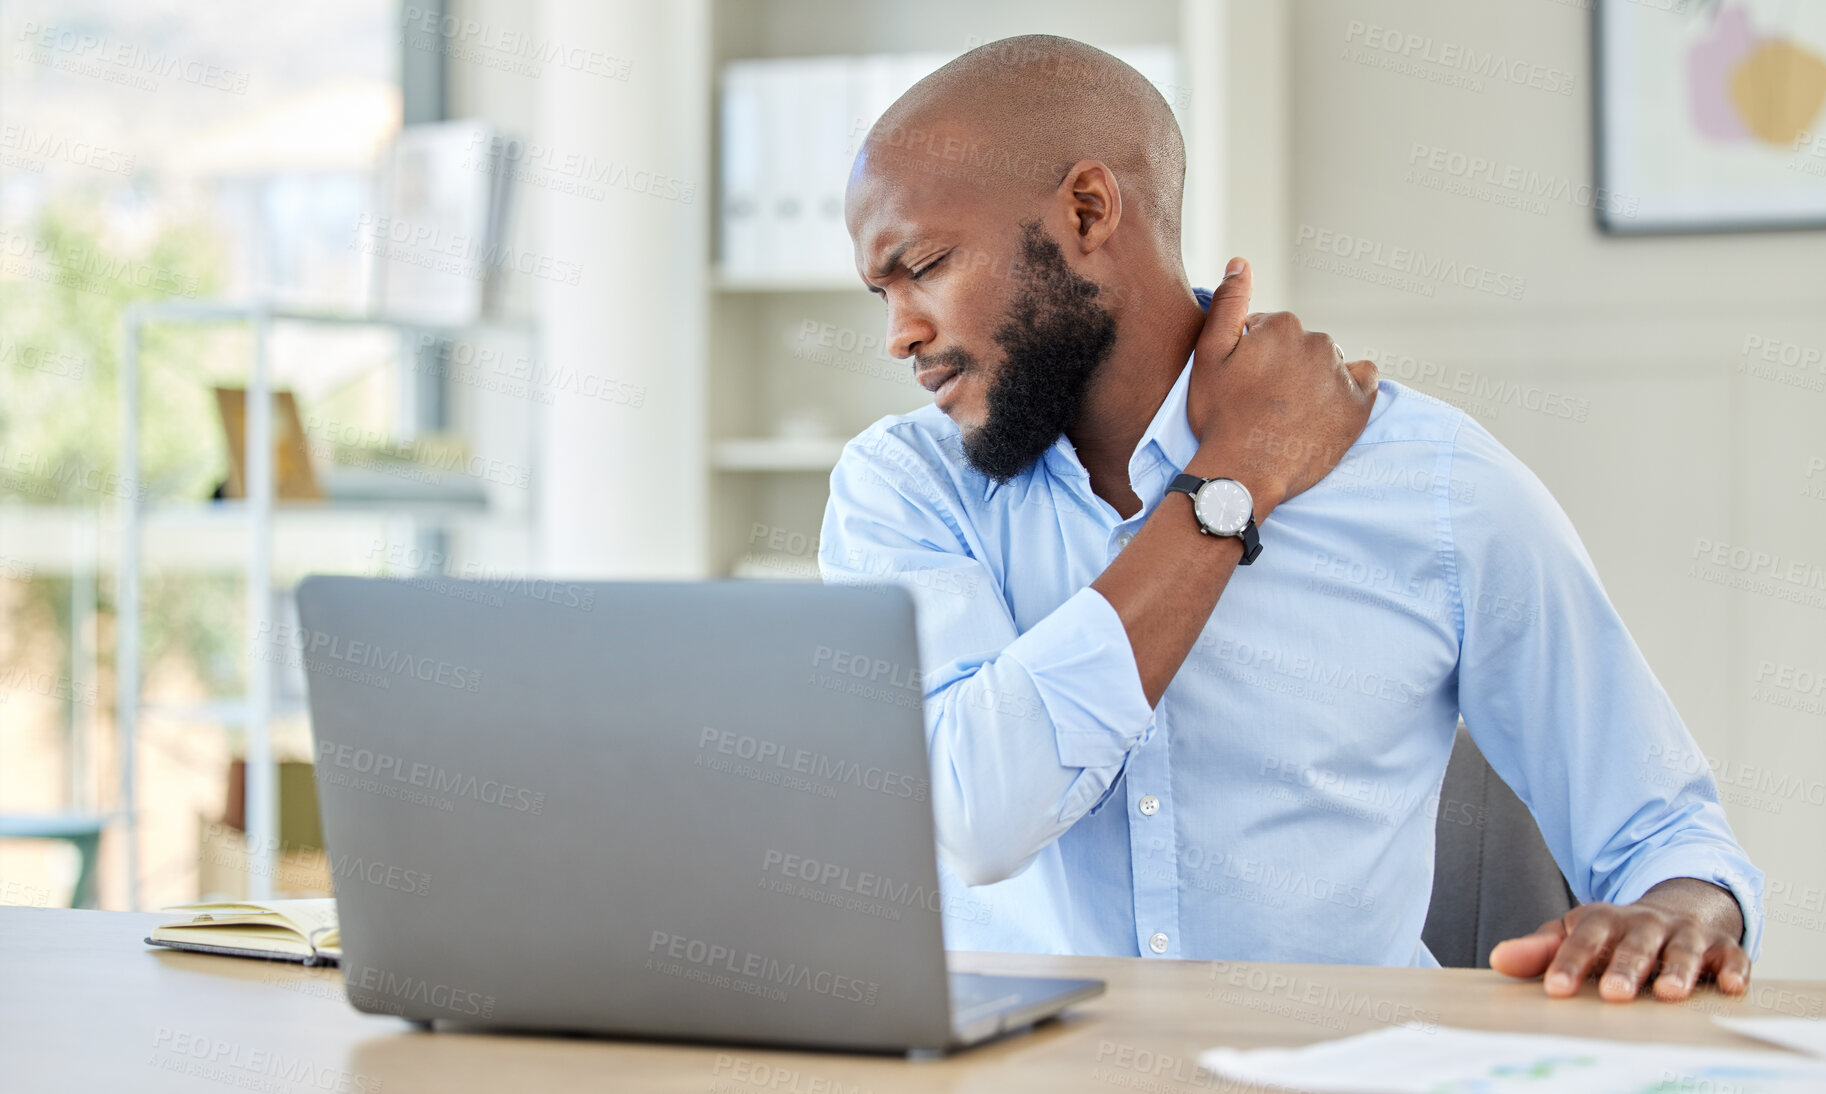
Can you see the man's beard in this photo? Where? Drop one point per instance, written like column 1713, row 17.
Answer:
column 1054, row 339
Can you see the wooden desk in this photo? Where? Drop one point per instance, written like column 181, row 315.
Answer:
column 85, row 1006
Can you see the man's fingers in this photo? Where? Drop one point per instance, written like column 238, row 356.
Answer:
column 1526, row 957
column 1681, row 963
column 1320, row 342
column 1633, row 961
column 1229, row 306
column 1583, row 950
column 1365, row 373
column 1624, row 949
column 1734, row 970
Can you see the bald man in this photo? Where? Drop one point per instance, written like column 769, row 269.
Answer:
column 1201, row 604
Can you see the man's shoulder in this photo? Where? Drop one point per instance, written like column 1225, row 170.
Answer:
column 924, row 428
column 1402, row 414
column 1494, row 496
column 1416, row 416
column 1421, row 440
column 921, row 452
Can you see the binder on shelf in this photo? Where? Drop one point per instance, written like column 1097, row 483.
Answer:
column 742, row 169
column 788, row 132
column 785, row 107
column 499, row 169
column 826, row 170
column 433, row 251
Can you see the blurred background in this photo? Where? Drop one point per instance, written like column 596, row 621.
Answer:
column 511, row 291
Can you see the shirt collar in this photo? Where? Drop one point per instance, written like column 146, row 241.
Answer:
column 1170, row 433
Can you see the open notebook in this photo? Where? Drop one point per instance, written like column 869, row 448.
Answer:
column 276, row 930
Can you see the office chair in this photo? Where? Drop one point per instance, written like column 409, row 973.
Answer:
column 1493, row 877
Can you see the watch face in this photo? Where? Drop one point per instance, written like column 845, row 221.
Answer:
column 1224, row 506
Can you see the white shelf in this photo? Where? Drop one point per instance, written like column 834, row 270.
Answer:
column 777, row 454
column 846, row 282
column 205, row 311
column 227, row 710
column 205, row 537
column 231, row 512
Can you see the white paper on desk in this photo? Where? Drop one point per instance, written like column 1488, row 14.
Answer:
column 1443, row 1060
column 1800, row 1034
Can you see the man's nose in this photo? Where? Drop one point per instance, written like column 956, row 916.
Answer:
column 907, row 332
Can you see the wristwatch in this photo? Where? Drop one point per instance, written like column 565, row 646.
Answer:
column 1223, row 508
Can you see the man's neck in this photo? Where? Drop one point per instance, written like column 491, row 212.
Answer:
column 1150, row 352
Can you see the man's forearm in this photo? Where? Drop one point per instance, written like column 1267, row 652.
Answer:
column 1166, row 582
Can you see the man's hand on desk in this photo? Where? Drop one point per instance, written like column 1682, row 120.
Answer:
column 1684, row 927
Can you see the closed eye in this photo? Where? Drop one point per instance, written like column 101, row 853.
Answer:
column 923, row 270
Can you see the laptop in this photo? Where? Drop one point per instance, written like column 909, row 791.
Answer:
column 658, row 810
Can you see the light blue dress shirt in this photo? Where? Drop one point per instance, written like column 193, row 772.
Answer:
column 1279, row 803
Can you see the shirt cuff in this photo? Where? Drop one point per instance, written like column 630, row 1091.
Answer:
column 1738, row 878
column 1083, row 667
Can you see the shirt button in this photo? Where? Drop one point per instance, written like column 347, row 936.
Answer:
column 1148, row 805
column 1157, row 942
column 1124, row 539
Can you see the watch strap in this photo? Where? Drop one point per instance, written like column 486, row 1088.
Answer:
column 1189, row 485
column 1186, row 484
column 1252, row 543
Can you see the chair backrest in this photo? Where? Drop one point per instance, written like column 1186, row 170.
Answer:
column 1493, row 877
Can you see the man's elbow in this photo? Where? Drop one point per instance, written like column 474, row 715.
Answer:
column 984, row 865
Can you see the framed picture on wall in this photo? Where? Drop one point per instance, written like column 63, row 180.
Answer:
column 1710, row 115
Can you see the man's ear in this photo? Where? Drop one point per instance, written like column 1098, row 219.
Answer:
column 1093, row 203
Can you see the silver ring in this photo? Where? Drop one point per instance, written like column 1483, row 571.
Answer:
column 1340, row 351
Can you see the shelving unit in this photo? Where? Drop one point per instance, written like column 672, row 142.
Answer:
column 794, row 365
column 777, row 454
column 258, row 517
column 833, row 283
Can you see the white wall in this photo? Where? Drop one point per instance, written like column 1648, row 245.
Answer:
column 1676, row 448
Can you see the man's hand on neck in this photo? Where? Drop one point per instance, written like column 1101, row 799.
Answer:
column 1281, row 379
